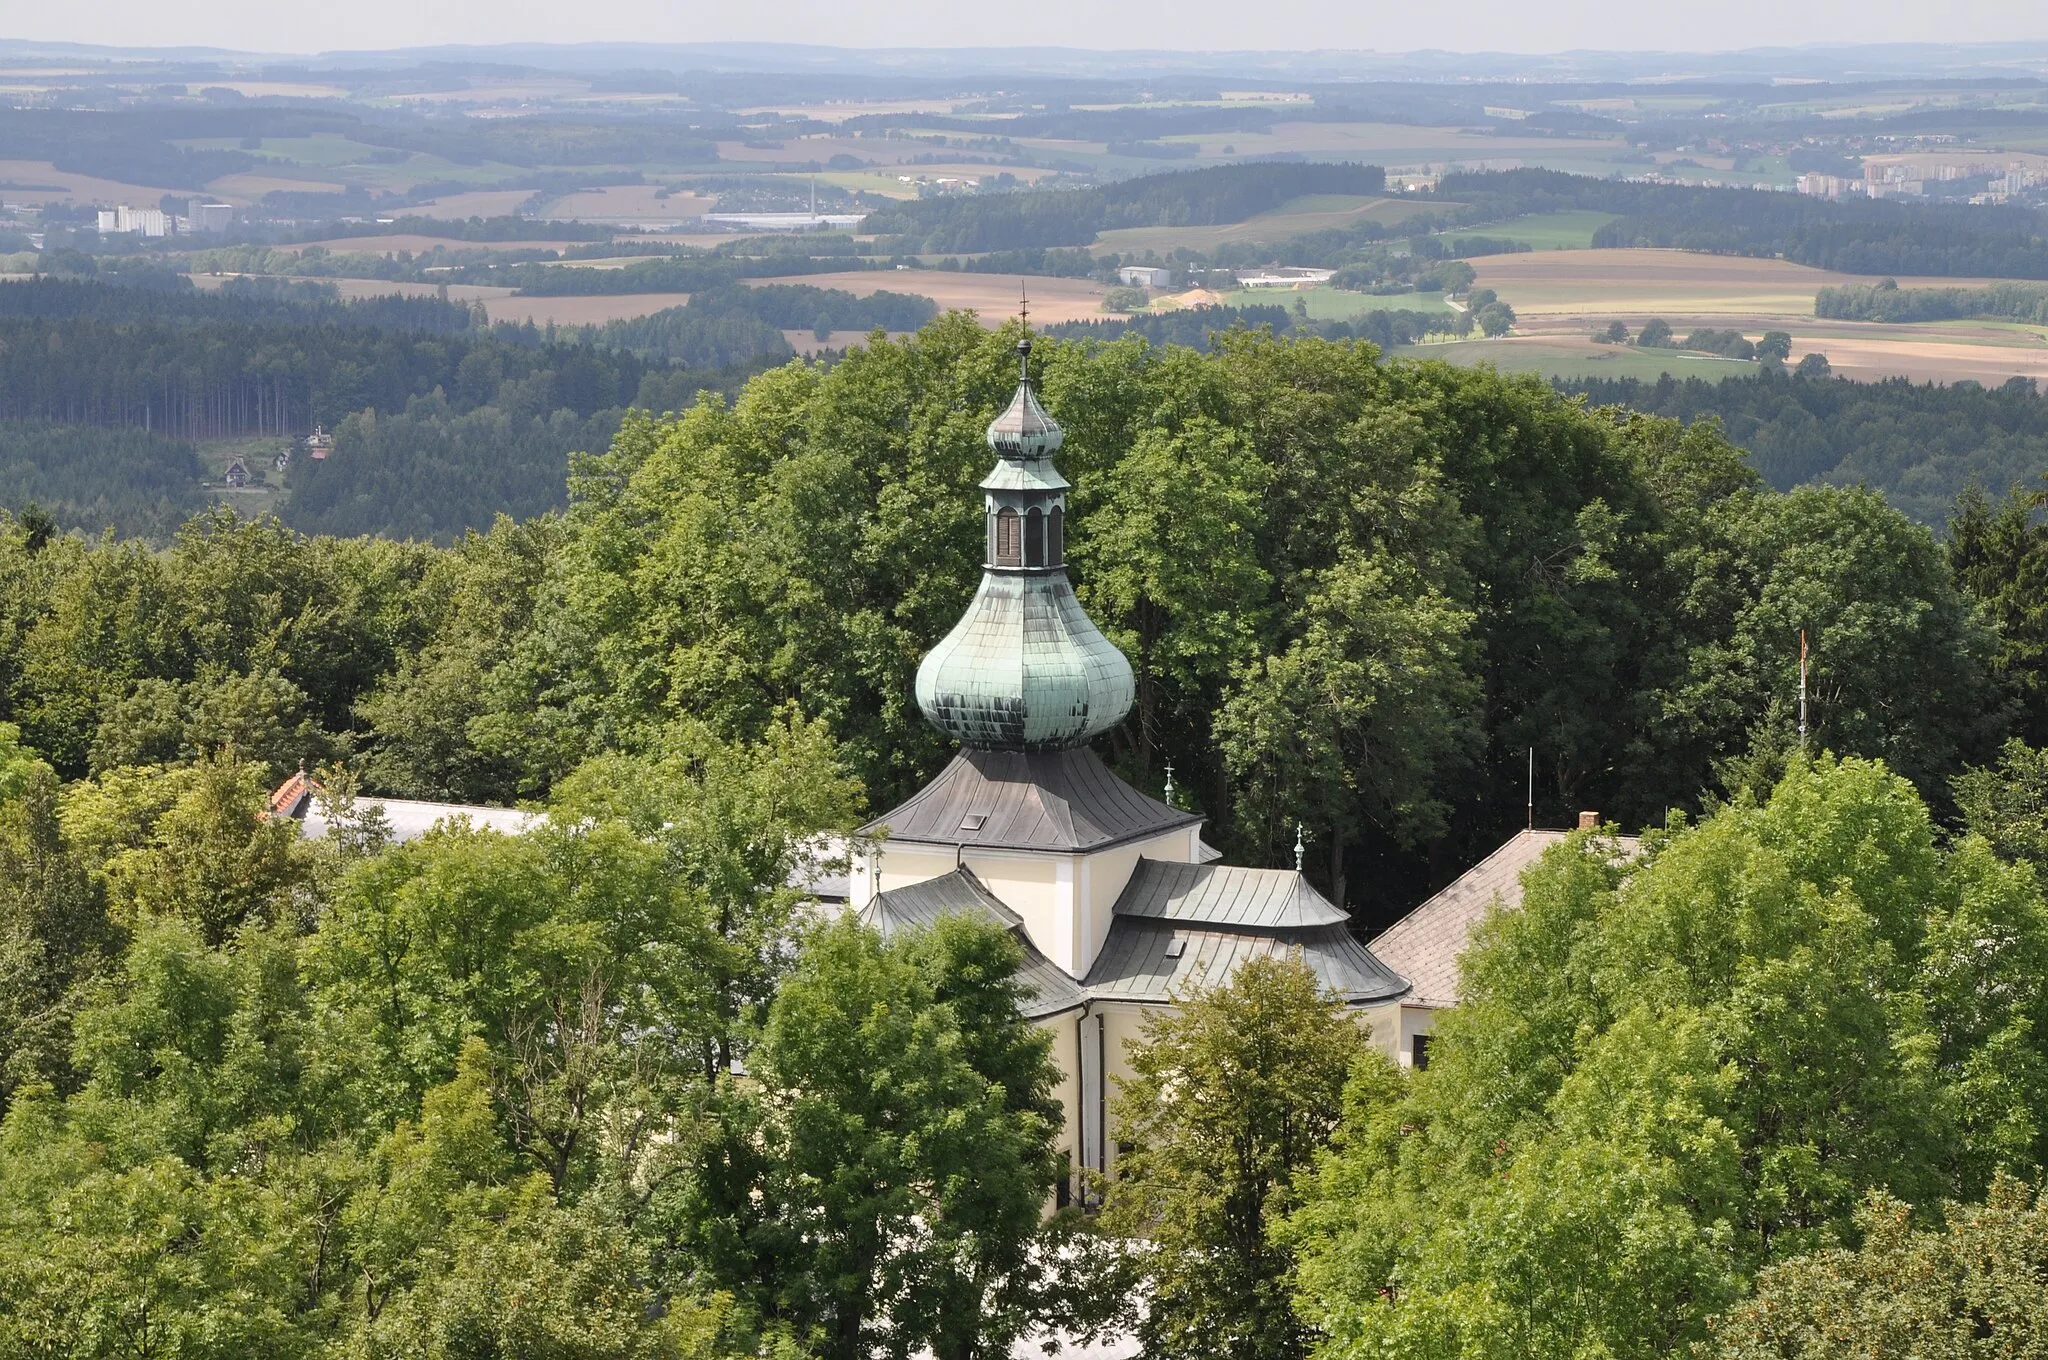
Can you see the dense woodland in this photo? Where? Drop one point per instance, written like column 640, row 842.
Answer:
column 1886, row 301
column 602, row 1091
column 1920, row 444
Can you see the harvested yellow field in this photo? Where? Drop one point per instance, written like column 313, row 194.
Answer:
column 992, row 296
column 1931, row 360
column 475, row 203
column 42, row 182
column 1647, row 283
column 247, row 188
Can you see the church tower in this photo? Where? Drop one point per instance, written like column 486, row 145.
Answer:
column 1024, row 681
column 1025, row 669
column 1119, row 907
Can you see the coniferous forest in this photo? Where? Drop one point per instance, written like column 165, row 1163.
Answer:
column 606, row 1089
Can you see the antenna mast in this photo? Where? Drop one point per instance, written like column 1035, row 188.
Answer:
column 1802, row 691
column 1532, row 789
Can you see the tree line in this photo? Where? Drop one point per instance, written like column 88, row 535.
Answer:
column 1886, row 301
column 1243, row 520
column 1921, row 444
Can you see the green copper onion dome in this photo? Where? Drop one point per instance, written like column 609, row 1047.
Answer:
column 1025, row 669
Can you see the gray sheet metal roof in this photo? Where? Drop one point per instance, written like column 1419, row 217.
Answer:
column 1036, row 800
column 1139, row 961
column 1222, row 894
column 1424, row 945
column 961, row 893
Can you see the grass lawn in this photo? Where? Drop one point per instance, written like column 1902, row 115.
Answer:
column 1564, row 359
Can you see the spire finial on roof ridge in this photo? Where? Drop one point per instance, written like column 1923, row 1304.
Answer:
column 1300, row 849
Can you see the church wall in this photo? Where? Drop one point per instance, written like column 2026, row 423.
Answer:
column 903, row 866
column 1104, row 875
column 1066, row 1054
column 1039, row 889
column 1120, row 1024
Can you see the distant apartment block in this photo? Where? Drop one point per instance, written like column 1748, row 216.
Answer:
column 1145, row 276
column 210, row 217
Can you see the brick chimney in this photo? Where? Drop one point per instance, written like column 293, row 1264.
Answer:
column 1589, row 821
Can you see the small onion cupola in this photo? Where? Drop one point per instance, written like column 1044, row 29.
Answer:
column 1025, row 669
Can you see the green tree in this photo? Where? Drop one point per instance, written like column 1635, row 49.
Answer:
column 1671, row 1073
column 2000, row 559
column 1230, row 1097
column 1171, row 565
column 1969, row 1290
column 1361, row 717
column 2007, row 804
column 916, row 1131
column 55, row 936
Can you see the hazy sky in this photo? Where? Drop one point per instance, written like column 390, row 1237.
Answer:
column 1292, row 25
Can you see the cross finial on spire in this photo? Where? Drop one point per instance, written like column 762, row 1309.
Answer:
column 1024, row 345
column 1169, row 783
column 1300, row 850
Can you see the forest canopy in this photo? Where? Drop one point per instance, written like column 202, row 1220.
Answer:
column 609, row 1089
column 1259, row 527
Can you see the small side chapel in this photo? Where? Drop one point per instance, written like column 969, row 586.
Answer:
column 1119, row 905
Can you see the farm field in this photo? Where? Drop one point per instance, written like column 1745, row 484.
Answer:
column 42, row 182
column 1333, row 304
column 1403, row 147
column 473, row 203
column 362, row 288
column 1560, row 296
column 992, row 296
column 1315, row 212
column 1644, row 283
column 1890, row 352
column 1566, row 357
